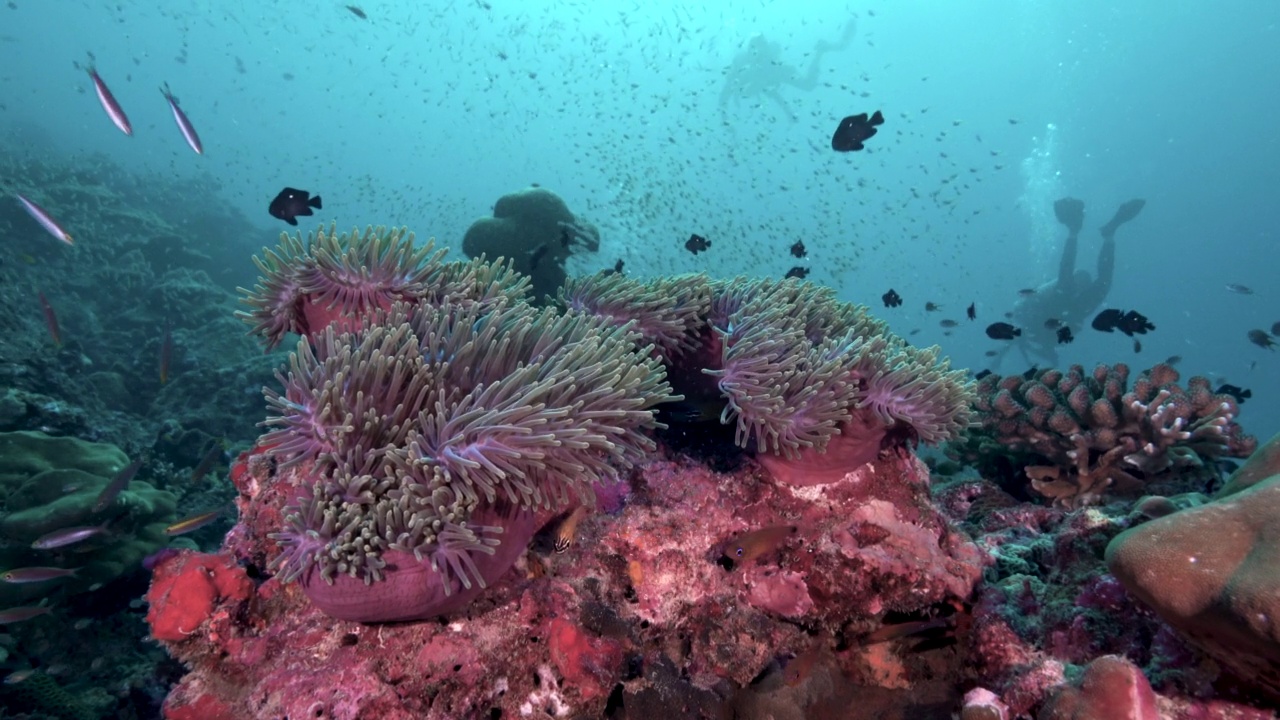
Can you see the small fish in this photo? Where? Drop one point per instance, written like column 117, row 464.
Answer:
column 568, row 529
column 1275, row 328
column 1030, row 373
column 1173, row 360
column 1262, row 339
column 948, row 323
column 798, row 272
column 696, row 244
column 46, row 220
column 19, row 614
column 932, row 307
column 36, row 574
column 1137, row 345
column 981, row 374
column 1064, row 335
column 1052, row 323
column 1239, row 393
column 1027, row 292
column 537, row 254
column 193, row 523
column 184, row 125
column 1002, row 331
column 1130, row 323
column 991, row 353
column 166, row 352
column 615, row 270
column 855, row 130
column 21, row 676
column 50, row 320
column 797, row 249
column 972, row 311
column 750, row 545
column 356, row 11
column 109, row 104
column 1239, row 289
column 117, row 484
column 207, row 463
column 891, row 299
column 67, row 536
column 291, row 203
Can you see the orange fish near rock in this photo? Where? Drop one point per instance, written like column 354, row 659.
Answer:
column 750, row 545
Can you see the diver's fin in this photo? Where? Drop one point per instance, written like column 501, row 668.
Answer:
column 1124, row 214
column 1070, row 212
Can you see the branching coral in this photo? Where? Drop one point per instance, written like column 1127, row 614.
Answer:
column 1084, row 434
column 307, row 285
column 431, row 433
column 797, row 370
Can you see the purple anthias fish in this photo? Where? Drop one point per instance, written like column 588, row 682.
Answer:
column 67, row 536
column 18, row 614
column 114, row 111
column 36, row 574
column 46, row 220
column 184, row 124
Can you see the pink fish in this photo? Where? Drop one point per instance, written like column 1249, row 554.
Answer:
column 50, row 319
column 184, row 124
column 18, row 614
column 114, row 111
column 67, row 536
column 46, row 220
column 36, row 574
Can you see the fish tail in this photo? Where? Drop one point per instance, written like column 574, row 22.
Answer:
column 315, row 203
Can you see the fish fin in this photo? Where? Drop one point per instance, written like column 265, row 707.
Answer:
column 315, row 203
column 291, row 221
column 877, row 118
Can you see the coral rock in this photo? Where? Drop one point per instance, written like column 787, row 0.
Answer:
column 1112, row 688
column 185, row 590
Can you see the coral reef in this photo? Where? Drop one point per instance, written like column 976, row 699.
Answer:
column 1210, row 570
column 1080, row 435
column 815, row 386
column 52, row 483
column 536, row 232
column 642, row 613
column 428, row 438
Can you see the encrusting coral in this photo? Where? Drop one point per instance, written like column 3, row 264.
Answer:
column 816, row 386
column 1082, row 434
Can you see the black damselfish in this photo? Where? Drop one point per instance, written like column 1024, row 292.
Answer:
column 1239, row 393
column 1064, row 335
column 1002, row 331
column 291, row 203
column 696, row 244
column 855, row 130
column 798, row 272
column 1130, row 323
column 891, row 299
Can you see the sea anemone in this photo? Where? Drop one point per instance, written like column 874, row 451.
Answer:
column 330, row 278
column 795, row 368
column 427, row 438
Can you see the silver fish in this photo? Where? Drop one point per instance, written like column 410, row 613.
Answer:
column 114, row 111
column 184, row 124
column 67, row 536
column 18, row 614
column 1239, row 289
column 46, row 220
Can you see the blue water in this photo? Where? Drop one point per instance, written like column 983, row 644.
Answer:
column 424, row 117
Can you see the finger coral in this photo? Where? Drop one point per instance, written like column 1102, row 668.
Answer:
column 814, row 385
column 306, row 285
column 1081, row 434
column 427, row 438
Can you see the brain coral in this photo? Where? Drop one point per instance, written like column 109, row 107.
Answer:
column 425, row 439
column 814, row 385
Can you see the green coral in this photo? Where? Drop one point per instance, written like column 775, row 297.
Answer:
column 50, row 483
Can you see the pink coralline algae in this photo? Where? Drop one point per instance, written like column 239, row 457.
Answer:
column 639, row 602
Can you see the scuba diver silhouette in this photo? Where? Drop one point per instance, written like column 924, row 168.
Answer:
column 1073, row 296
column 758, row 71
